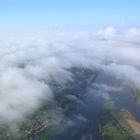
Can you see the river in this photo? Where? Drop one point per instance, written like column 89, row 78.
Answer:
column 89, row 107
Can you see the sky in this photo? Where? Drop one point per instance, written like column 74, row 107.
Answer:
column 69, row 12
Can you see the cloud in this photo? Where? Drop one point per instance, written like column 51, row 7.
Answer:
column 19, row 96
column 108, row 33
column 29, row 63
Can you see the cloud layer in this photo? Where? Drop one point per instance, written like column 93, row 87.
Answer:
column 29, row 63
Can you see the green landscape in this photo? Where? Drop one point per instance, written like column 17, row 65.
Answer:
column 113, row 126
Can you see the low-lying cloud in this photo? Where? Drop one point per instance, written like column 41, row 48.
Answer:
column 28, row 64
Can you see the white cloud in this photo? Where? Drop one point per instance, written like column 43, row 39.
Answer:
column 28, row 64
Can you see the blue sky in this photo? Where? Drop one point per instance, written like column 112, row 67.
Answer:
column 69, row 12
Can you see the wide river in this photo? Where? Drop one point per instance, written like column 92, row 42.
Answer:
column 89, row 108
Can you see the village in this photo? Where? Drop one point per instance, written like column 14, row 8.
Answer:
column 35, row 129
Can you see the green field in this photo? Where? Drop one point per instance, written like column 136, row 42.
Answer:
column 112, row 125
